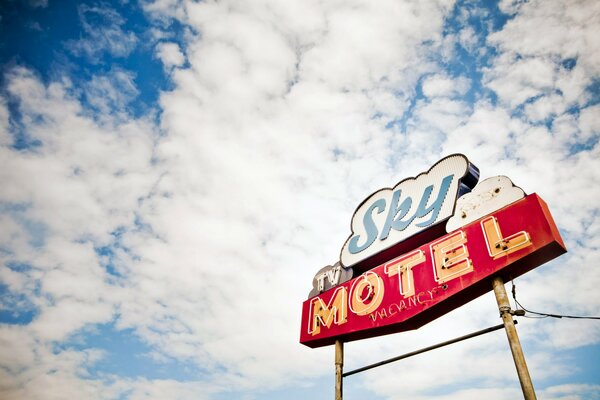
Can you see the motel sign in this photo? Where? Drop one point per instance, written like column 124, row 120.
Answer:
column 425, row 247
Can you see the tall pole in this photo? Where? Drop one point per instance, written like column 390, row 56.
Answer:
column 513, row 339
column 339, row 368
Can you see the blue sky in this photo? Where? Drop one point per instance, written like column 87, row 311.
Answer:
column 175, row 172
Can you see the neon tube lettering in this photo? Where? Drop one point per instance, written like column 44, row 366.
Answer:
column 325, row 314
column 403, row 266
column 499, row 246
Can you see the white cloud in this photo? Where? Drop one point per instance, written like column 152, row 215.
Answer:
column 572, row 392
column 104, row 34
column 164, row 10
column 589, row 122
column 530, row 63
column 518, row 80
column 269, row 140
column 510, row 6
column 545, row 107
column 110, row 94
column 5, row 136
column 170, row 54
column 443, row 86
column 486, row 135
column 157, row 389
column 275, row 113
column 468, row 39
column 64, row 197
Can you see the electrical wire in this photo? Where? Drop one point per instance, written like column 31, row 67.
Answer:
column 541, row 314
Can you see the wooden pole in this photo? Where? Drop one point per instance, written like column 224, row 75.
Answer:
column 339, row 368
column 513, row 339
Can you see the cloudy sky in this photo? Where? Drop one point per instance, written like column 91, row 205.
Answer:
column 174, row 173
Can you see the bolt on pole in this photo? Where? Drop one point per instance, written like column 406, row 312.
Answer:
column 339, row 368
column 513, row 339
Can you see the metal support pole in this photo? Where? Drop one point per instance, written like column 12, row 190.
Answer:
column 513, row 339
column 424, row 350
column 339, row 367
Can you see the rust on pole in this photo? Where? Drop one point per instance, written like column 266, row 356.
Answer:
column 339, row 368
column 513, row 339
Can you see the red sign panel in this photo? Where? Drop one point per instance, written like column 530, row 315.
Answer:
column 426, row 283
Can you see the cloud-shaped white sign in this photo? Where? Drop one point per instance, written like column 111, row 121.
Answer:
column 391, row 215
column 488, row 196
